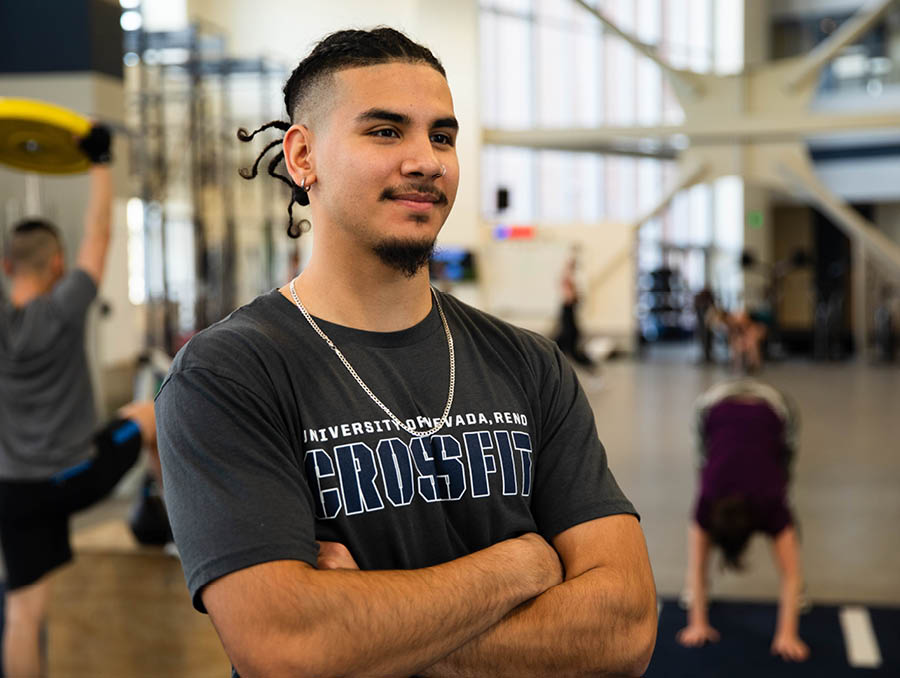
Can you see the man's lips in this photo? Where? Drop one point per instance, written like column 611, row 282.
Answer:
column 416, row 197
column 419, row 202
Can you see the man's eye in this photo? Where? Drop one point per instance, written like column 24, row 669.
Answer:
column 445, row 139
column 387, row 133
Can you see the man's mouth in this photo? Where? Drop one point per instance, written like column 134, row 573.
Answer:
column 416, row 197
column 417, row 202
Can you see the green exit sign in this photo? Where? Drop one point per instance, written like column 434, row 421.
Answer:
column 755, row 218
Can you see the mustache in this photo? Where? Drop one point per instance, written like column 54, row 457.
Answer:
column 392, row 192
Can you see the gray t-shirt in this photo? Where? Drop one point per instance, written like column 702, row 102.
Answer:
column 47, row 415
column 268, row 443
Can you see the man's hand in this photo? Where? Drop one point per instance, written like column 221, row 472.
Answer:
column 96, row 144
column 551, row 565
column 697, row 635
column 790, row 648
column 334, row 556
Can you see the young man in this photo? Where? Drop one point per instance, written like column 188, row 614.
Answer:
column 51, row 461
column 366, row 476
column 746, row 431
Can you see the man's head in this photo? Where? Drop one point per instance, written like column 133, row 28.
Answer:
column 34, row 249
column 373, row 138
column 307, row 93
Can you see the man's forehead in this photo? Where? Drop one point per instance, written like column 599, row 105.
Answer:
column 414, row 88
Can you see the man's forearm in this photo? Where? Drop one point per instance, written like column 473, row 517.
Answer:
column 382, row 623
column 97, row 224
column 98, row 216
column 594, row 624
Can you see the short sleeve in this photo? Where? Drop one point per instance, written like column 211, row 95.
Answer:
column 573, row 482
column 235, row 493
column 72, row 296
column 776, row 518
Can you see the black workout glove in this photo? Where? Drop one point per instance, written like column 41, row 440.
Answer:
column 96, row 144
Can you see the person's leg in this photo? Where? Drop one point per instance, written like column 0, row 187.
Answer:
column 26, row 615
column 118, row 449
column 34, row 538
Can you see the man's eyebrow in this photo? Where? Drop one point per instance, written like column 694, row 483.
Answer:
column 382, row 114
column 452, row 123
column 401, row 118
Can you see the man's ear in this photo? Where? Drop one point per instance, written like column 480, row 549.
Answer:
column 58, row 264
column 298, row 154
column 7, row 267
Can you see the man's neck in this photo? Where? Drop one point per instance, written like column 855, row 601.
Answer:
column 365, row 295
column 24, row 289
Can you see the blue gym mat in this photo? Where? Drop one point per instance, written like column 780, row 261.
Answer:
column 746, row 633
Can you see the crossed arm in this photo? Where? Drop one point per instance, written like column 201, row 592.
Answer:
column 505, row 610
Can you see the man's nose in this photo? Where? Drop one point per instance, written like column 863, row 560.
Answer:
column 422, row 161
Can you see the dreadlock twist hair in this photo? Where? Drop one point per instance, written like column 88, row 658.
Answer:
column 335, row 52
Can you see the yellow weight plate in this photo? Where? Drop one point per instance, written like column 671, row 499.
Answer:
column 39, row 137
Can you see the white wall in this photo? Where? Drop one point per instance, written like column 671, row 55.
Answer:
column 522, row 278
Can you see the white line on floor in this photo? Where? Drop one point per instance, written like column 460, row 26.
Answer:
column 859, row 637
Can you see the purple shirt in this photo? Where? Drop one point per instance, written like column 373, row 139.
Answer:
column 745, row 453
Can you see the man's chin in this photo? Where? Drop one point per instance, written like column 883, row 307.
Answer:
column 407, row 256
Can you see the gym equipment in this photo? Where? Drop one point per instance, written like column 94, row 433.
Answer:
column 36, row 136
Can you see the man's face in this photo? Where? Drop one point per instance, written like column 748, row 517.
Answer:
column 385, row 156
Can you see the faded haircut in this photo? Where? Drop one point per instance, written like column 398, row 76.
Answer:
column 31, row 245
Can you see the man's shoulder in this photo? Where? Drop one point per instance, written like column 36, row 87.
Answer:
column 501, row 334
column 250, row 334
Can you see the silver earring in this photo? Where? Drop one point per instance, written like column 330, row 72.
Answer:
column 303, row 184
column 443, row 170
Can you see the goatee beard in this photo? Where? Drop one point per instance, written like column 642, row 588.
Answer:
column 406, row 256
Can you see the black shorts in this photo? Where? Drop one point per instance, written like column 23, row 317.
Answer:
column 34, row 514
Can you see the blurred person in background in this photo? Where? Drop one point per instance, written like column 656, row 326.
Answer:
column 746, row 431
column 568, row 337
column 704, row 308
column 52, row 461
column 745, row 339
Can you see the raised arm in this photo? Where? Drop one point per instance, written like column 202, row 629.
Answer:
column 98, row 217
column 698, row 632
column 600, row 621
column 286, row 618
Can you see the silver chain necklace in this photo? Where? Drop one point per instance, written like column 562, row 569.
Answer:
column 394, row 417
